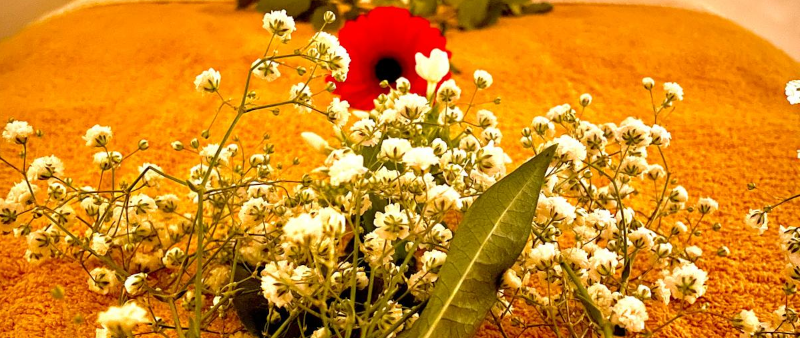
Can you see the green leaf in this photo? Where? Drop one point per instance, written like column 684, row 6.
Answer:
column 488, row 241
column 472, row 13
column 293, row 7
column 538, row 8
column 423, row 7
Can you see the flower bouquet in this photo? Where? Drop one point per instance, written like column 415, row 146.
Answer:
column 414, row 225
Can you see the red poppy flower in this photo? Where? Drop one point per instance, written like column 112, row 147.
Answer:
column 382, row 45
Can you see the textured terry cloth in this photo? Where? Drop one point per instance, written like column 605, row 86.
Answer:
column 131, row 67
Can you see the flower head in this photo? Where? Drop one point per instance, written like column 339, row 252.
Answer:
column 17, row 131
column 121, row 320
column 207, row 81
column 280, row 24
column 434, row 67
column 629, row 313
column 793, row 91
column 97, row 136
column 382, row 45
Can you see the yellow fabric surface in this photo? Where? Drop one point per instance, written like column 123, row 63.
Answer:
column 131, row 67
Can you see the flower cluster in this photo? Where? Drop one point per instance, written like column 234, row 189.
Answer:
column 612, row 226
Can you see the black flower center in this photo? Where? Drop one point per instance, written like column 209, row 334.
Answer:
column 388, row 69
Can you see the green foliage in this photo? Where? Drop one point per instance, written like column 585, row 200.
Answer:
column 474, row 14
column 293, row 8
column 487, row 242
column 423, row 7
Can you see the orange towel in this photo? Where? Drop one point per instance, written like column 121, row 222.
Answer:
column 131, row 67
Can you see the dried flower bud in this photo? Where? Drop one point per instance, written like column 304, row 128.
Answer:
column 144, row 145
column 329, row 17
column 586, row 100
column 177, row 145
column 648, row 83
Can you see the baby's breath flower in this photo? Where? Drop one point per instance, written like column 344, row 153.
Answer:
column 648, row 83
column 602, row 263
column 706, row 205
column 569, row 150
column 365, row 132
column 135, row 283
column 300, row 94
column 432, row 260
column 560, row 113
column 44, row 168
column 346, row 169
column 267, row 70
column 757, row 219
column 106, row 160
column 543, row 127
column 747, row 322
column 687, row 282
column 482, row 79
column 207, row 81
column 486, row 119
column 511, row 281
column 660, row 136
column 449, row 91
column 674, row 91
column 99, row 244
column 280, row 24
column 393, row 149
column 17, row 131
column 97, row 136
column 412, row 107
column 420, row 158
column 338, row 112
column 792, row 92
column 102, row 281
column 633, row 133
column 543, row 256
column 151, row 177
column 121, row 320
column 174, row 258
column 629, row 313
column 586, row 100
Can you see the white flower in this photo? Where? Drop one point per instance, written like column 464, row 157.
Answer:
column 757, row 219
column 412, row 106
column 655, row 171
column 107, row 160
column 100, row 244
column 642, row 238
column 747, row 322
column 633, row 166
column 543, row 127
column 586, row 100
column 338, row 112
column 346, row 169
column 543, row 256
column 17, row 131
column 315, row 141
column 660, row 136
column 391, row 224
column 492, row 160
column 135, row 283
column 648, row 83
column 420, row 158
column 569, row 150
column 451, row 116
column 492, row 134
column 254, row 211
column 325, row 43
column 121, row 320
column 434, row 67
column 441, row 199
column 300, row 94
column 174, row 258
column 576, row 256
column 102, row 281
column 792, row 92
column 601, row 297
column 629, row 313
column 449, row 91
column 602, row 263
column 97, row 136
column 486, row 119
column 393, row 149
column 432, row 260
column 280, row 24
column 151, row 177
column 693, row 252
column 207, row 81
column 303, row 227
column 674, row 91
column 679, row 195
column 557, row 113
column 365, row 132
column 511, row 280
column 661, row 291
column 482, row 79
column 634, row 133
column 267, row 70
column 44, row 168
column 707, row 205
column 687, row 282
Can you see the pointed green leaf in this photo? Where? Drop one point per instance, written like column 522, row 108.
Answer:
column 488, row 241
